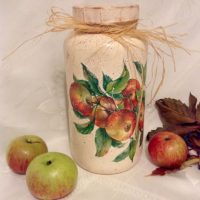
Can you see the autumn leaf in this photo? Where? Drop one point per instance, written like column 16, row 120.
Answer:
column 160, row 171
column 196, row 141
column 173, row 111
column 178, row 129
column 154, row 132
column 193, row 140
column 192, row 105
column 184, row 129
column 198, row 113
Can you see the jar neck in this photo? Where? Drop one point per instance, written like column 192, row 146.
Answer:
column 113, row 28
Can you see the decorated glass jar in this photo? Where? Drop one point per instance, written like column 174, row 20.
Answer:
column 105, row 75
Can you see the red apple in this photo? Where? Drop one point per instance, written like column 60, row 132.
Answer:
column 121, row 125
column 128, row 104
column 166, row 149
column 105, row 107
column 130, row 90
column 80, row 99
column 51, row 176
column 22, row 150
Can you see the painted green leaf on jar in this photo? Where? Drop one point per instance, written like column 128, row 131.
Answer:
column 92, row 80
column 132, row 149
column 85, row 84
column 116, row 86
column 103, row 142
column 85, row 128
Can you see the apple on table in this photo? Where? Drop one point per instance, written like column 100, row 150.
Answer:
column 52, row 175
column 22, row 150
column 168, row 150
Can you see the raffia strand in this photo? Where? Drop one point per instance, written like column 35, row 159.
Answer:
column 60, row 21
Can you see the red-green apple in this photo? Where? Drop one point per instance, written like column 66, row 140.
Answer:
column 22, row 150
column 167, row 149
column 105, row 107
column 130, row 90
column 121, row 124
column 80, row 99
column 128, row 104
column 51, row 176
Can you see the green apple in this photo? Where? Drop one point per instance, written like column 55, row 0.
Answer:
column 22, row 150
column 51, row 176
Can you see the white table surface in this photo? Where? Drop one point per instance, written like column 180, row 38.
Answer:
column 32, row 85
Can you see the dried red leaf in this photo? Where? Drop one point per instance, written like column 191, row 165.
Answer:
column 193, row 140
column 151, row 133
column 160, row 171
column 182, row 130
column 192, row 105
column 196, row 141
column 178, row 129
column 198, row 113
column 175, row 112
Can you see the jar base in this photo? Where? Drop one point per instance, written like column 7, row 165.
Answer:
column 112, row 171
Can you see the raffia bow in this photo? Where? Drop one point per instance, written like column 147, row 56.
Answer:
column 61, row 21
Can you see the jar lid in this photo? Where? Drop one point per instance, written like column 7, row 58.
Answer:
column 106, row 15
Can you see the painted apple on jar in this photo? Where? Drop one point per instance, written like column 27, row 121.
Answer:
column 113, row 109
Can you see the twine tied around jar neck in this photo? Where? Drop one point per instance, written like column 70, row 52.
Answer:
column 60, row 21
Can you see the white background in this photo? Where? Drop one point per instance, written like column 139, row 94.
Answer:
column 32, row 101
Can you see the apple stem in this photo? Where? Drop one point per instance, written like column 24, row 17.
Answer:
column 166, row 139
column 31, row 142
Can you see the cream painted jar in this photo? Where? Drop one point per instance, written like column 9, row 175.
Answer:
column 104, row 87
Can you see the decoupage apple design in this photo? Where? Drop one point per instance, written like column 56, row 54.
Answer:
column 117, row 110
